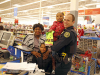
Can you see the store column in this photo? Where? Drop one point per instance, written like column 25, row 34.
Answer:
column 74, row 10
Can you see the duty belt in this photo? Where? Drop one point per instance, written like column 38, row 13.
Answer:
column 63, row 57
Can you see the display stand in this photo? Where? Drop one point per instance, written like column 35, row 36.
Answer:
column 92, row 44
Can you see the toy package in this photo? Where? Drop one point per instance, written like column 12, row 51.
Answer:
column 1, row 70
column 79, row 64
column 49, row 38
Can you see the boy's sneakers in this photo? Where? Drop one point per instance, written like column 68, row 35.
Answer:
column 53, row 72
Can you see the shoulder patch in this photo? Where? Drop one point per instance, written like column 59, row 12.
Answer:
column 66, row 34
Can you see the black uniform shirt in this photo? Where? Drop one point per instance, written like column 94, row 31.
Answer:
column 66, row 39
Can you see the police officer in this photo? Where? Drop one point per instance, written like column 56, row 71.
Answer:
column 65, row 46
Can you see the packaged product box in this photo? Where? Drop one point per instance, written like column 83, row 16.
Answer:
column 49, row 38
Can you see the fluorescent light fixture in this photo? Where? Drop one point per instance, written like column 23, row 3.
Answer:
column 97, row 6
column 3, row 14
column 30, row 9
column 9, row 13
column 0, row 11
column 92, row 4
column 4, row 1
column 48, row 12
column 50, row 6
column 82, row 0
column 25, row 11
column 29, row 16
column 33, row 17
column 57, row 4
column 16, row 5
column 82, row 8
column 6, row 18
column 36, row 8
column 94, row 0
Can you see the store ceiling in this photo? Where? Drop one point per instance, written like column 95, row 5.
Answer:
column 30, row 9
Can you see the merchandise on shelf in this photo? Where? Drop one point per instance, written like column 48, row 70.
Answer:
column 79, row 64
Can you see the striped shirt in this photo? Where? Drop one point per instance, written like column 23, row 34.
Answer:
column 30, row 41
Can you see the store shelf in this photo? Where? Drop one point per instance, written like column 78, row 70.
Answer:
column 91, row 31
column 93, row 38
column 21, row 33
column 18, row 40
column 20, row 37
column 77, row 72
column 25, row 29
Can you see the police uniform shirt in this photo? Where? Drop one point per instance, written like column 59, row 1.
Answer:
column 66, row 38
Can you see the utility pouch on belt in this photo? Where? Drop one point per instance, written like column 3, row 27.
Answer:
column 62, row 57
column 65, row 58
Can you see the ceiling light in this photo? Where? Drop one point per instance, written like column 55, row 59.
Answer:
column 92, row 4
column 48, row 12
column 4, row 1
column 21, row 5
column 16, row 5
column 37, row 8
column 94, row 0
column 82, row 0
column 3, row 14
column 8, row 0
column 9, row 13
column 98, row 0
column 97, row 6
column 57, row 4
column 25, row 11
column 50, row 6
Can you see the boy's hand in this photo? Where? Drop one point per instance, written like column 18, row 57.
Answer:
column 50, row 30
column 45, row 55
column 36, row 54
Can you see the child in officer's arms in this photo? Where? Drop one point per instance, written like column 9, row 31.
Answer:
column 46, row 64
column 58, row 28
column 58, row 25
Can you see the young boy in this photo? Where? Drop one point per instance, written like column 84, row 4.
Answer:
column 58, row 25
column 43, row 64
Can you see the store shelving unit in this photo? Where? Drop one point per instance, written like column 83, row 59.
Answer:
column 86, row 43
column 21, row 33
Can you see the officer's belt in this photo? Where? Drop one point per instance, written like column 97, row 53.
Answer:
column 60, row 55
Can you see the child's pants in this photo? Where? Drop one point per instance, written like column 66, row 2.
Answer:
column 53, row 53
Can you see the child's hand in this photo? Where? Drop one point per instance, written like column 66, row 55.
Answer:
column 45, row 55
column 50, row 30
column 36, row 54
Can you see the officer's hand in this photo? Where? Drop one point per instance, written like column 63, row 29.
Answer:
column 45, row 55
column 36, row 54
column 50, row 30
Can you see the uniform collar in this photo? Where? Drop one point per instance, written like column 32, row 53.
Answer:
column 71, row 27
